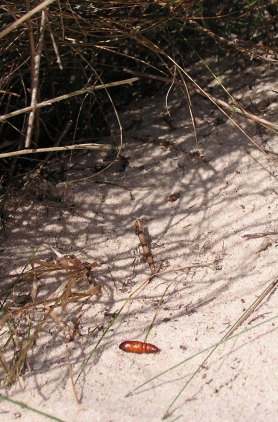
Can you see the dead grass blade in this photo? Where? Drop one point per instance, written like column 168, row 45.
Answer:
column 235, row 109
column 75, row 272
column 70, row 368
column 157, row 311
column 25, row 17
column 139, row 288
column 232, row 43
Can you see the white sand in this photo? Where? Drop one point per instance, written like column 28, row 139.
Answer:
column 231, row 192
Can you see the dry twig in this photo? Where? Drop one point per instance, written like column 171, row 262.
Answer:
column 145, row 246
column 35, row 82
column 25, row 17
column 66, row 96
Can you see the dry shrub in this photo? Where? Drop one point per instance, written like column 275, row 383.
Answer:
column 71, row 46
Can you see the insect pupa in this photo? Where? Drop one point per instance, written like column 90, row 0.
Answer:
column 138, row 347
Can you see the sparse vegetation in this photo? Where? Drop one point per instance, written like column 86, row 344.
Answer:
column 64, row 71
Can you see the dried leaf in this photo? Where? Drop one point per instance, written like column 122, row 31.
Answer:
column 174, row 197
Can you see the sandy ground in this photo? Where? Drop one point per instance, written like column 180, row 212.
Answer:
column 229, row 190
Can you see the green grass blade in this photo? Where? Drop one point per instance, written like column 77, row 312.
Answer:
column 113, row 321
column 240, row 320
column 94, row 349
column 199, row 353
column 24, row 406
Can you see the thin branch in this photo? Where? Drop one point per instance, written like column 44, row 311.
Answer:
column 55, row 47
column 31, row 41
column 67, row 148
column 35, row 82
column 24, row 18
column 66, row 96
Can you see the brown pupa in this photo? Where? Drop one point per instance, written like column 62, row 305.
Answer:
column 138, row 347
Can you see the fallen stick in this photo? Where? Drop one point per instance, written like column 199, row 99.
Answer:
column 144, row 243
column 256, row 235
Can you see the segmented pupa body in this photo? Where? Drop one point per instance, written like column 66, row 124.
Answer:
column 138, row 347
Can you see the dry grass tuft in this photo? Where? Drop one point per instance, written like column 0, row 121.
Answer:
column 25, row 314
